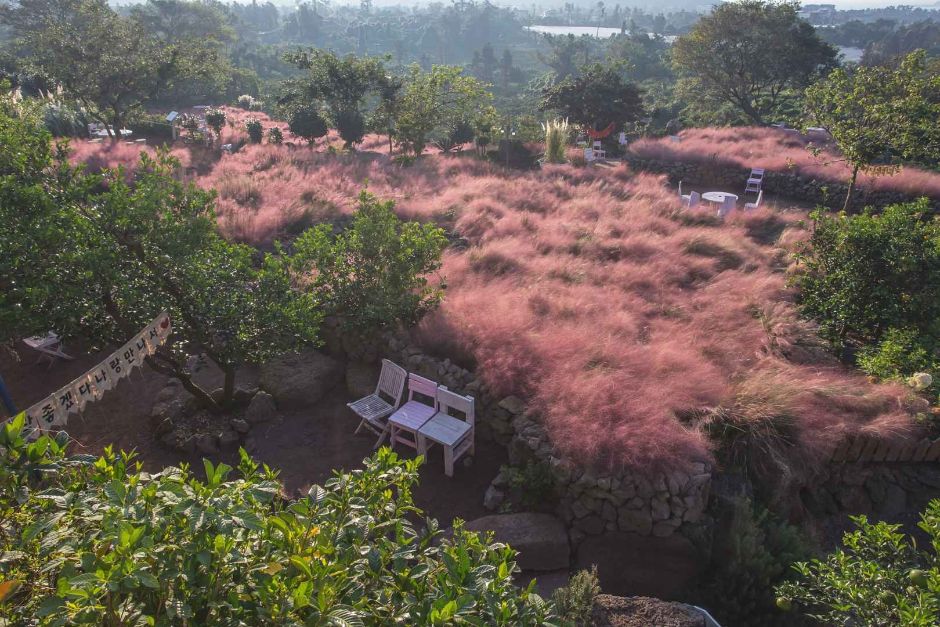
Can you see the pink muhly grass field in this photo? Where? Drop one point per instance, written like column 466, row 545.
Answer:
column 587, row 291
column 778, row 151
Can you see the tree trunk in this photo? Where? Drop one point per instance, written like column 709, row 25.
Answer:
column 848, row 195
column 167, row 366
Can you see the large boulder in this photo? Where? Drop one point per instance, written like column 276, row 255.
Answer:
column 260, row 409
column 612, row 611
column 299, row 380
column 361, row 378
column 630, row 564
column 541, row 539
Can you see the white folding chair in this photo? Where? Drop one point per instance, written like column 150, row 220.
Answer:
column 49, row 346
column 754, row 181
column 599, row 152
column 756, row 203
column 727, row 206
column 455, row 433
column 685, row 198
column 589, row 155
column 411, row 416
column 694, row 200
column 374, row 409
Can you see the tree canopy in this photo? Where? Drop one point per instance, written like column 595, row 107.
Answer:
column 100, row 257
column 880, row 115
column 109, row 63
column 755, row 55
column 595, row 98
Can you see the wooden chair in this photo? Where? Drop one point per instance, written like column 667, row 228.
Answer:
column 412, row 415
column 374, row 410
column 454, row 433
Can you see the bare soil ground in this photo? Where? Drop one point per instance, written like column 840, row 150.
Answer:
column 305, row 446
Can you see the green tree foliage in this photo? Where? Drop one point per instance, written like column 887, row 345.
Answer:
column 754, row 55
column 307, row 123
column 215, row 119
column 879, row 577
column 598, row 96
column 567, row 54
column 901, row 353
column 101, row 260
column 341, row 84
column 98, row 542
column 865, row 274
column 109, row 63
column 255, row 130
column 275, row 136
column 373, row 274
column 878, row 115
column 436, row 102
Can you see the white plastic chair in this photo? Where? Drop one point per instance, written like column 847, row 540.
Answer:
column 599, row 152
column 754, row 181
column 454, row 433
column 685, row 198
column 756, row 203
column 727, row 206
column 374, row 409
column 694, row 200
column 411, row 416
column 589, row 155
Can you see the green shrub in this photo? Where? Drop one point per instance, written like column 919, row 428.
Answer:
column 307, row 123
column 275, row 136
column 575, row 602
column 532, row 484
column 752, row 552
column 244, row 101
column 865, row 274
column 255, row 130
column 215, row 119
column 878, row 577
column 64, row 121
column 900, row 354
column 151, row 125
column 556, row 140
column 351, row 126
column 98, row 542
column 256, row 105
column 373, row 274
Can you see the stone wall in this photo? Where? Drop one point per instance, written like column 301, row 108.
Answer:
column 785, row 184
column 590, row 502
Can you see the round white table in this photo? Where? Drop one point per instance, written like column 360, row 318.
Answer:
column 718, row 197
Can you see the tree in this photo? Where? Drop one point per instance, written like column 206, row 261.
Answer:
column 307, row 123
column 863, row 275
column 101, row 261
column 599, row 96
column 215, row 119
column 373, row 275
column 255, row 130
column 879, row 115
column 98, row 542
column 568, row 53
column 340, row 83
column 436, row 101
column 755, row 55
column 109, row 63
column 879, row 577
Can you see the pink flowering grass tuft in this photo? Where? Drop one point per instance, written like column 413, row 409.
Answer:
column 779, row 151
column 587, row 291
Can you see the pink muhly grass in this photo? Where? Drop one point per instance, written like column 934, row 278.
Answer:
column 587, row 291
column 779, row 151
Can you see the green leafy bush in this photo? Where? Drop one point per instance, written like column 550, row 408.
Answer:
column 752, row 552
column 878, row 577
column 533, row 484
column 865, row 274
column 275, row 136
column 373, row 274
column 307, row 123
column 244, row 101
column 575, row 602
column 900, row 354
column 98, row 542
column 215, row 119
column 255, row 130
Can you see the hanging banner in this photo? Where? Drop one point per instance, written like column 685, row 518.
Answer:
column 53, row 411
